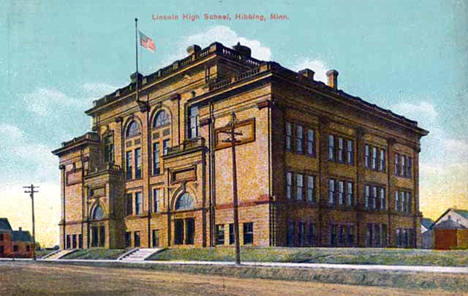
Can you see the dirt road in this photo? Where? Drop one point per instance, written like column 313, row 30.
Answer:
column 18, row 278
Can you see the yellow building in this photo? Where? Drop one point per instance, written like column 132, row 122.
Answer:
column 316, row 166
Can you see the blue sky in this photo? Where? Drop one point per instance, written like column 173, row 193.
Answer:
column 55, row 58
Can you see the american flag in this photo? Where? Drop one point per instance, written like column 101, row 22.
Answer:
column 146, row 42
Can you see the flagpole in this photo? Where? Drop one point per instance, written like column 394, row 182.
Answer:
column 136, row 60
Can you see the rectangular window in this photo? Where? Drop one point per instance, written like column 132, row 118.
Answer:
column 403, row 166
column 155, row 237
column 248, row 233
column 311, row 189
column 136, row 239
column 383, row 204
column 156, row 159
column 331, row 147
column 299, row 138
column 409, row 167
column 369, row 235
column 333, row 235
column 374, row 158
column 311, row 142
column 193, row 122
column 340, row 192
column 165, row 146
column 289, row 185
column 138, row 163
column 350, row 235
column 109, row 149
column 331, row 191
column 80, row 241
column 408, row 201
column 129, row 206
column 397, row 201
column 220, row 234
column 156, row 195
column 349, row 193
column 291, row 233
column 384, row 235
column 403, row 203
column 349, row 152
column 340, row 149
column 231, row 234
column 398, row 237
column 376, row 235
column 397, row 164
column 128, row 239
column 138, row 203
column 74, row 241
column 288, row 136
column 15, row 248
column 374, row 197
column 367, row 196
column 128, row 168
column 299, row 187
column 311, row 234
column 382, row 160
column 301, row 234
column 341, row 235
column 1, row 236
column 367, row 156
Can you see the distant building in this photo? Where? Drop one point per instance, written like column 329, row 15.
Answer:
column 449, row 231
column 426, row 233
column 316, row 166
column 14, row 243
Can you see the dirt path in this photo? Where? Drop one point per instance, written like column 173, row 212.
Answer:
column 38, row 279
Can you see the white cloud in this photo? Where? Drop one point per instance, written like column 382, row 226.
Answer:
column 422, row 110
column 98, row 89
column 45, row 101
column 25, row 158
column 318, row 66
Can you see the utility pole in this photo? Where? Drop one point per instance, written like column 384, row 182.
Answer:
column 31, row 192
column 230, row 130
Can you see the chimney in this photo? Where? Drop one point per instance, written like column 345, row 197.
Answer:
column 332, row 78
column 307, row 73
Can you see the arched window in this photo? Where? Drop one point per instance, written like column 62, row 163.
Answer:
column 162, row 119
column 98, row 213
column 133, row 130
column 184, row 202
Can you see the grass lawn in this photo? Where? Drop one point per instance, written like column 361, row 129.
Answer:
column 43, row 252
column 98, row 253
column 321, row 255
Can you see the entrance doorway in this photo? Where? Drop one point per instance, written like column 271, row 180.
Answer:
column 184, row 231
column 98, row 236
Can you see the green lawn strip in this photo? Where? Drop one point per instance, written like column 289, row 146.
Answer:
column 98, row 253
column 321, row 255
